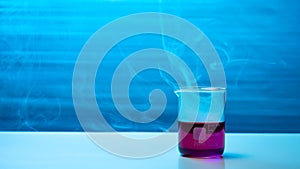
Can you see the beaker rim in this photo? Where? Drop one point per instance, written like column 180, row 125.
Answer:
column 200, row 89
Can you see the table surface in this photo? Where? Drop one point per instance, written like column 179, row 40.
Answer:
column 76, row 150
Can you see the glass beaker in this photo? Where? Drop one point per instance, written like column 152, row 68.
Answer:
column 201, row 125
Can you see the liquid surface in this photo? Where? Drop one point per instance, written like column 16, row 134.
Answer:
column 201, row 139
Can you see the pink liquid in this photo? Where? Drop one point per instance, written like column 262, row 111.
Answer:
column 201, row 139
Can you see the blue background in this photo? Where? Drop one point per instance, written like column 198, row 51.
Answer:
column 258, row 43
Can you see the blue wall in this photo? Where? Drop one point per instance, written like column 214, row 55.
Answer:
column 258, row 43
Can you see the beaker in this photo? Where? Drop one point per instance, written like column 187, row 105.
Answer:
column 201, row 124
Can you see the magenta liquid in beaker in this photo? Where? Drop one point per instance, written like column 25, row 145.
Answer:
column 201, row 125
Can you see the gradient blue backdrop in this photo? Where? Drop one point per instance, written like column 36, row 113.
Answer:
column 258, row 43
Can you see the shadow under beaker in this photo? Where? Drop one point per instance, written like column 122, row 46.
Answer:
column 196, row 163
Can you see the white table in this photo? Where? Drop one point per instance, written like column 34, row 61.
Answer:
column 76, row 150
